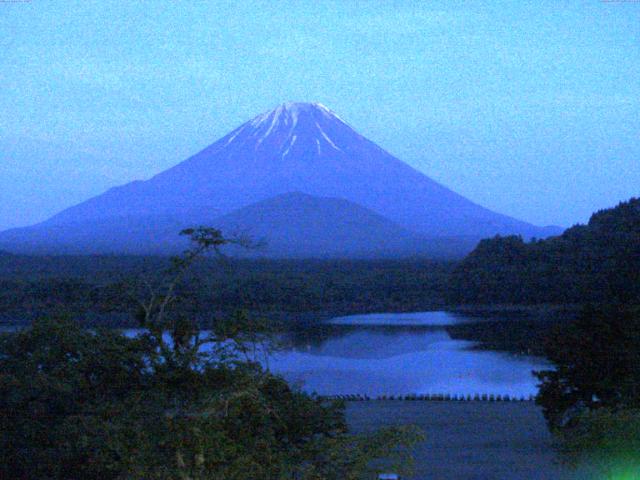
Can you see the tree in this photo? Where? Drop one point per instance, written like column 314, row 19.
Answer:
column 591, row 399
column 596, row 363
column 605, row 442
column 170, row 403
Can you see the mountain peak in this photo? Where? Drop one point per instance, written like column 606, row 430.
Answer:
column 308, row 126
column 302, row 107
column 289, row 113
column 295, row 147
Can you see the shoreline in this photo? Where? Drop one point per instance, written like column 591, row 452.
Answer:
column 521, row 334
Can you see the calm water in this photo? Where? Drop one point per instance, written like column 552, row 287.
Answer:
column 391, row 354
column 397, row 354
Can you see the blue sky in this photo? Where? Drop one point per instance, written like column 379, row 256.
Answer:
column 529, row 108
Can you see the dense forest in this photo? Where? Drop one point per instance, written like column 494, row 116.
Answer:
column 594, row 263
column 104, row 289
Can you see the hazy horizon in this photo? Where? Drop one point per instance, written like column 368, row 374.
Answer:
column 531, row 109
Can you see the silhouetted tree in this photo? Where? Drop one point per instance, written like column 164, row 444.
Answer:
column 169, row 403
column 596, row 362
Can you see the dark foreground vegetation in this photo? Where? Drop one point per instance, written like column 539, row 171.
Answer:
column 591, row 398
column 94, row 404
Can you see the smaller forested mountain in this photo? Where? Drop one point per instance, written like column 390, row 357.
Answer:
column 297, row 173
column 594, row 263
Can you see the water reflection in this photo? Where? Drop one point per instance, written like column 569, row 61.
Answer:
column 366, row 342
column 392, row 354
column 431, row 319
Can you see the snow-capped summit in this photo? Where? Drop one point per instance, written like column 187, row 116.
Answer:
column 289, row 123
column 289, row 112
column 295, row 147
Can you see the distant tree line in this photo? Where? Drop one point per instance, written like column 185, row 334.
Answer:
column 594, row 263
column 100, row 287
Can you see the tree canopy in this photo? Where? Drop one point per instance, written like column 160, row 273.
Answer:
column 594, row 263
column 591, row 397
column 171, row 402
column 596, row 361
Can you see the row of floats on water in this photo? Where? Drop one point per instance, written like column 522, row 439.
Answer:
column 433, row 397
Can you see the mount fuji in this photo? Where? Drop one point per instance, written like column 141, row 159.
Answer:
column 297, row 175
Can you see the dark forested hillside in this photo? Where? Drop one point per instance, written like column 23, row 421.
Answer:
column 593, row 263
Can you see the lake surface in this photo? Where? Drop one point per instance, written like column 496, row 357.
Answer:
column 398, row 354
column 393, row 354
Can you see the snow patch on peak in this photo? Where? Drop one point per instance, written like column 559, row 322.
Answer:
column 284, row 115
column 291, row 111
column 300, row 106
column 296, row 108
column 274, row 121
column 235, row 133
column 286, row 118
column 326, row 137
column 293, row 140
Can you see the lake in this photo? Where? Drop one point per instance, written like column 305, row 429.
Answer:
column 398, row 354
